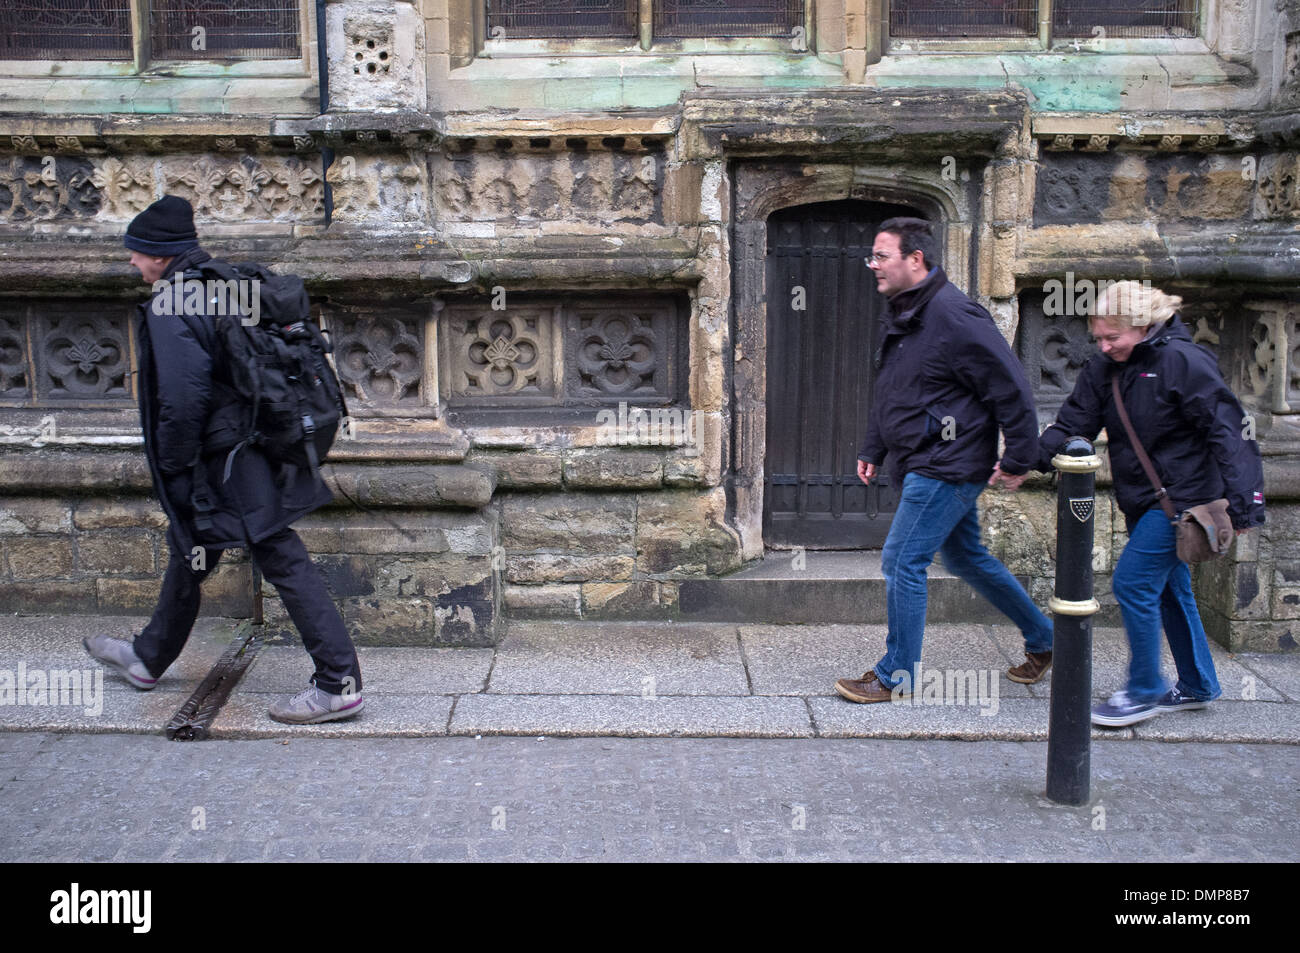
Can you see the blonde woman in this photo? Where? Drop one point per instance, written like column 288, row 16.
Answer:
column 1193, row 429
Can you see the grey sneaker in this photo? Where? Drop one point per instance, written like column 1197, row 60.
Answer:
column 119, row 655
column 313, row 705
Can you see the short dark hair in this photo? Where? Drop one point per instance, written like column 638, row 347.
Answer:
column 914, row 234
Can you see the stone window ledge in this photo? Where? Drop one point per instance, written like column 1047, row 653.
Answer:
column 235, row 96
column 1074, row 82
column 775, row 67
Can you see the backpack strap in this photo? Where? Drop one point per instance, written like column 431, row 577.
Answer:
column 1161, row 493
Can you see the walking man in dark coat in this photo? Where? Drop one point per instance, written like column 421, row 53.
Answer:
column 947, row 383
column 184, row 396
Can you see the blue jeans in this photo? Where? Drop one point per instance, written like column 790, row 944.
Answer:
column 1153, row 586
column 935, row 516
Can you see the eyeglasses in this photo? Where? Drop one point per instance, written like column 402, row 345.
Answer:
column 877, row 257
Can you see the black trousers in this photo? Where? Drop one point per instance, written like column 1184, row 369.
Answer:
column 284, row 562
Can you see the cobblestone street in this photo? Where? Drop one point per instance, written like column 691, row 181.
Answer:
column 111, row 797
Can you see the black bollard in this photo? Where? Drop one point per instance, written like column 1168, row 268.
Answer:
column 1069, row 729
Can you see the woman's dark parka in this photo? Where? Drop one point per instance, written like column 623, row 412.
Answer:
column 1192, row 426
column 182, row 397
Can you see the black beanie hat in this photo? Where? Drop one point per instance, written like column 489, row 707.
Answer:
column 165, row 228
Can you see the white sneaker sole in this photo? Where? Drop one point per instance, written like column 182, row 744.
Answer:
column 1123, row 721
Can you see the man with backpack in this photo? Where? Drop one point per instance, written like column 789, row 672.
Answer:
column 219, row 493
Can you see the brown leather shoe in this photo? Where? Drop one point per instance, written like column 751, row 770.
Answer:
column 866, row 690
column 1032, row 669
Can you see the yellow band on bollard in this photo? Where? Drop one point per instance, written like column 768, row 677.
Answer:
column 1076, row 464
column 1066, row 607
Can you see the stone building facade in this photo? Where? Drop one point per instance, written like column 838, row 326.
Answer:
column 593, row 293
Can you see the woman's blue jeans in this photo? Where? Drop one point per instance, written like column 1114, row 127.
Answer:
column 1153, row 586
column 935, row 516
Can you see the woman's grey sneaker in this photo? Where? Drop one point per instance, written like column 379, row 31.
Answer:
column 119, row 655
column 1121, row 710
column 313, row 705
column 1174, row 700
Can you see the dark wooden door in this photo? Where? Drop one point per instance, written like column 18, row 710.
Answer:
column 820, row 372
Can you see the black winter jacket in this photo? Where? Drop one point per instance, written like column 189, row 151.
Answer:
column 947, row 381
column 1190, row 423
column 182, row 397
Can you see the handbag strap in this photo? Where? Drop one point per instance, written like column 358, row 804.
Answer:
column 1161, row 494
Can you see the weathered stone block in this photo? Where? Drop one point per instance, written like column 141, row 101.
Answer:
column 563, row 567
column 516, row 471
column 128, row 596
column 20, row 515
column 389, row 621
column 117, row 552
column 467, row 614
column 681, row 201
column 119, row 514
column 433, row 577
column 1238, row 590
column 44, row 598
column 681, row 531
column 347, row 575
column 543, row 602
column 609, row 469
column 39, row 558
column 228, row 591
column 622, row 600
column 579, row 522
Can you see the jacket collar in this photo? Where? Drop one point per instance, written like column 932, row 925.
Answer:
column 186, row 260
column 906, row 307
column 1149, row 348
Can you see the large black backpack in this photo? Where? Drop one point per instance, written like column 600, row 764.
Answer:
column 276, row 369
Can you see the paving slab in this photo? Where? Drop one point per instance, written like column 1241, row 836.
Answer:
column 131, row 711
column 1011, row 719
column 1280, row 672
column 1110, row 661
column 580, row 658
column 403, row 671
column 619, row 715
column 1227, row 721
column 396, row 715
column 54, row 642
column 807, row 660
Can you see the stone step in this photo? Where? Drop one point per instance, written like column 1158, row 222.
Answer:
column 827, row 587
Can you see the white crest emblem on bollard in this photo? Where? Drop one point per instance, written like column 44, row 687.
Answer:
column 1082, row 509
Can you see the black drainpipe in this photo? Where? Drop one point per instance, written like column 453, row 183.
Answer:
column 322, row 63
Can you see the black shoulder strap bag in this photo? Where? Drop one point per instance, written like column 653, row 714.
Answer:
column 1205, row 531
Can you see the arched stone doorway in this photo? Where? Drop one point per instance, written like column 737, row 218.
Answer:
column 791, row 195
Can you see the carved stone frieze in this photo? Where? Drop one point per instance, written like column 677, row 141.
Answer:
column 378, row 189
column 83, row 353
column 1277, row 192
column 127, row 186
column 47, row 188
column 13, row 358
column 379, row 355
column 621, row 350
column 570, row 186
column 247, row 189
column 500, row 356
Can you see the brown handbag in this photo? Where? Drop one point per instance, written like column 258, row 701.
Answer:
column 1205, row 531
